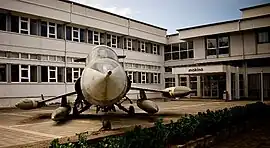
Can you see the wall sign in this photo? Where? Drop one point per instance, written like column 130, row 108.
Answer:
column 199, row 69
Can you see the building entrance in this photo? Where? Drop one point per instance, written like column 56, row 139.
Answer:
column 212, row 86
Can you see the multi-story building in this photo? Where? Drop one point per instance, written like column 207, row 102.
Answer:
column 40, row 40
column 232, row 56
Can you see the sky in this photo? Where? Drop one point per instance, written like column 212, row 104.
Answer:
column 175, row 14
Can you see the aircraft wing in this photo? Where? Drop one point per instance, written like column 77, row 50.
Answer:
column 31, row 104
column 57, row 97
column 149, row 89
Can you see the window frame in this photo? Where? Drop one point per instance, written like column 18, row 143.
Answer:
column 75, row 30
column 54, row 28
column 27, row 24
column 257, row 36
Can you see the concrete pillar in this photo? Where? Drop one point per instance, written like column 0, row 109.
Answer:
column 237, row 84
column 176, row 76
column 199, row 86
column 245, row 77
column 228, row 82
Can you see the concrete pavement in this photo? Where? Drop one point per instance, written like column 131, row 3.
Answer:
column 18, row 127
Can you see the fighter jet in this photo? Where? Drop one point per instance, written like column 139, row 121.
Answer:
column 103, row 84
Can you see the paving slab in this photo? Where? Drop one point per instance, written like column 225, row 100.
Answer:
column 18, row 127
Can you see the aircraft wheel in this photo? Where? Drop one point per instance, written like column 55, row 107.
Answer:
column 106, row 124
column 131, row 110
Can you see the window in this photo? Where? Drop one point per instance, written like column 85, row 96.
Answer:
column 169, row 82
column 24, row 25
column 130, row 75
column 82, row 35
column 223, row 45
column 3, row 73
column 3, row 21
column 217, row 45
column 75, row 34
column 60, row 31
column 175, row 51
column 52, row 30
column 15, row 73
column 60, row 74
column 154, row 48
column 52, row 74
column 183, row 81
column 102, row 39
column 263, row 37
column 44, row 28
column 34, row 56
column 75, row 74
column 28, row 73
column 24, row 56
column 13, row 55
column 3, row 54
column 44, row 74
column 168, row 69
column 69, row 75
column 142, row 44
column 52, row 58
column 129, row 44
column 33, row 73
column 193, row 84
column 155, row 78
column 96, row 37
column 14, row 23
column 90, row 36
column 68, row 33
column 60, row 59
column 112, row 40
column 44, row 57
column 33, row 27
column 143, row 77
column 167, row 52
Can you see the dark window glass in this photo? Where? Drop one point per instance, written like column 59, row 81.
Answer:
column 14, row 73
column 60, row 31
column 33, row 27
column 90, row 36
column 44, row 74
column 183, row 54
column 175, row 55
column 3, row 73
column 191, row 54
column 33, row 73
column 3, row 21
column 14, row 24
column 69, row 75
column 44, row 29
column 68, row 33
column 190, row 44
column 82, row 35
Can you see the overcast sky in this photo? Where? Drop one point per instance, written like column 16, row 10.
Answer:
column 175, row 14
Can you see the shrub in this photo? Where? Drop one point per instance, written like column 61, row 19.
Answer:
column 186, row 128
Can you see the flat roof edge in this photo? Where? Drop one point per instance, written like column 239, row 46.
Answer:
column 89, row 7
column 256, row 6
column 224, row 22
column 206, row 25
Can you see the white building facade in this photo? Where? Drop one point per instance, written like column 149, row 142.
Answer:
column 232, row 56
column 40, row 40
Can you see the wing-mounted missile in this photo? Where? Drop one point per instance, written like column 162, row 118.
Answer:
column 61, row 113
column 178, row 91
column 27, row 104
column 147, row 105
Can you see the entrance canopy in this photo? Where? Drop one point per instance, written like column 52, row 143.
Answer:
column 199, row 69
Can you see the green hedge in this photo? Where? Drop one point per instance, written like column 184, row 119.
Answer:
column 179, row 132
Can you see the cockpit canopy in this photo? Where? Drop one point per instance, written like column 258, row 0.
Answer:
column 102, row 51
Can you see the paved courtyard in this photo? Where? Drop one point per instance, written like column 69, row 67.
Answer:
column 19, row 127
